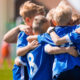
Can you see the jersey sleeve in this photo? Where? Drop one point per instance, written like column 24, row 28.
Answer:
column 39, row 39
column 22, row 60
column 43, row 38
column 73, row 37
column 21, row 42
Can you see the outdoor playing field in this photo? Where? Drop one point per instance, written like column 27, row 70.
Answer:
column 5, row 73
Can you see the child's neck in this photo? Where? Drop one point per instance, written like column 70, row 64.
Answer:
column 36, row 33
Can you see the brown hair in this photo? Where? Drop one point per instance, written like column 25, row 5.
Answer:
column 38, row 24
column 29, row 9
column 75, row 19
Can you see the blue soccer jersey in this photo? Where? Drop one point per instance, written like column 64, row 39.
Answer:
column 22, row 42
column 75, row 39
column 39, row 63
column 62, row 62
column 19, row 71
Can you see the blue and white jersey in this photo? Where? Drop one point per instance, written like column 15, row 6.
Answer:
column 22, row 42
column 62, row 62
column 39, row 63
column 18, row 72
column 75, row 39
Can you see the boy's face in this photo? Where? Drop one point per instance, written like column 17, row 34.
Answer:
column 29, row 21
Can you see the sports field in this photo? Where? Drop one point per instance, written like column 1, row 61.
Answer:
column 5, row 73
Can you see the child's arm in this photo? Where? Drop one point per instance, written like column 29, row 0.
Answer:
column 60, row 50
column 23, row 50
column 32, row 38
column 57, row 40
column 77, row 30
column 11, row 36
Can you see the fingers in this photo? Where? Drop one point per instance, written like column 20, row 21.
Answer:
column 50, row 28
column 73, row 47
column 72, row 51
column 77, row 30
column 34, row 44
column 17, row 61
column 26, row 29
column 75, row 54
column 27, row 32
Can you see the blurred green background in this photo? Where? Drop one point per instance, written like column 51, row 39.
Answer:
column 6, row 72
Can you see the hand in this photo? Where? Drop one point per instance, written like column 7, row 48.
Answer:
column 29, row 38
column 26, row 29
column 32, row 38
column 49, row 29
column 72, row 51
column 33, row 44
column 17, row 61
column 77, row 30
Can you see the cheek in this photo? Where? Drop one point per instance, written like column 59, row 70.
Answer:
column 47, row 26
column 33, row 31
column 32, row 20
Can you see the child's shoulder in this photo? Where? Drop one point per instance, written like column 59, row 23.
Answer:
column 22, row 35
column 78, row 25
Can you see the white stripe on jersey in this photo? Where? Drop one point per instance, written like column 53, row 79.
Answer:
column 23, row 63
column 22, row 73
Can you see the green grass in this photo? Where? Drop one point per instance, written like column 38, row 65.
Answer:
column 5, row 72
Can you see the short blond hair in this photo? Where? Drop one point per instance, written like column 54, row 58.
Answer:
column 50, row 14
column 63, row 14
column 29, row 9
column 38, row 24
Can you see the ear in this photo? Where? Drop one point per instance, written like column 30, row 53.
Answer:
column 27, row 19
column 71, row 22
column 54, row 23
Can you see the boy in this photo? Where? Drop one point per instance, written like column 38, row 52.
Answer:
column 62, row 19
column 28, row 10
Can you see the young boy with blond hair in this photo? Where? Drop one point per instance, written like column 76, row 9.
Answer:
column 28, row 11
column 62, row 18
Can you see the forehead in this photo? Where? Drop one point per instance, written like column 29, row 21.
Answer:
column 37, row 15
